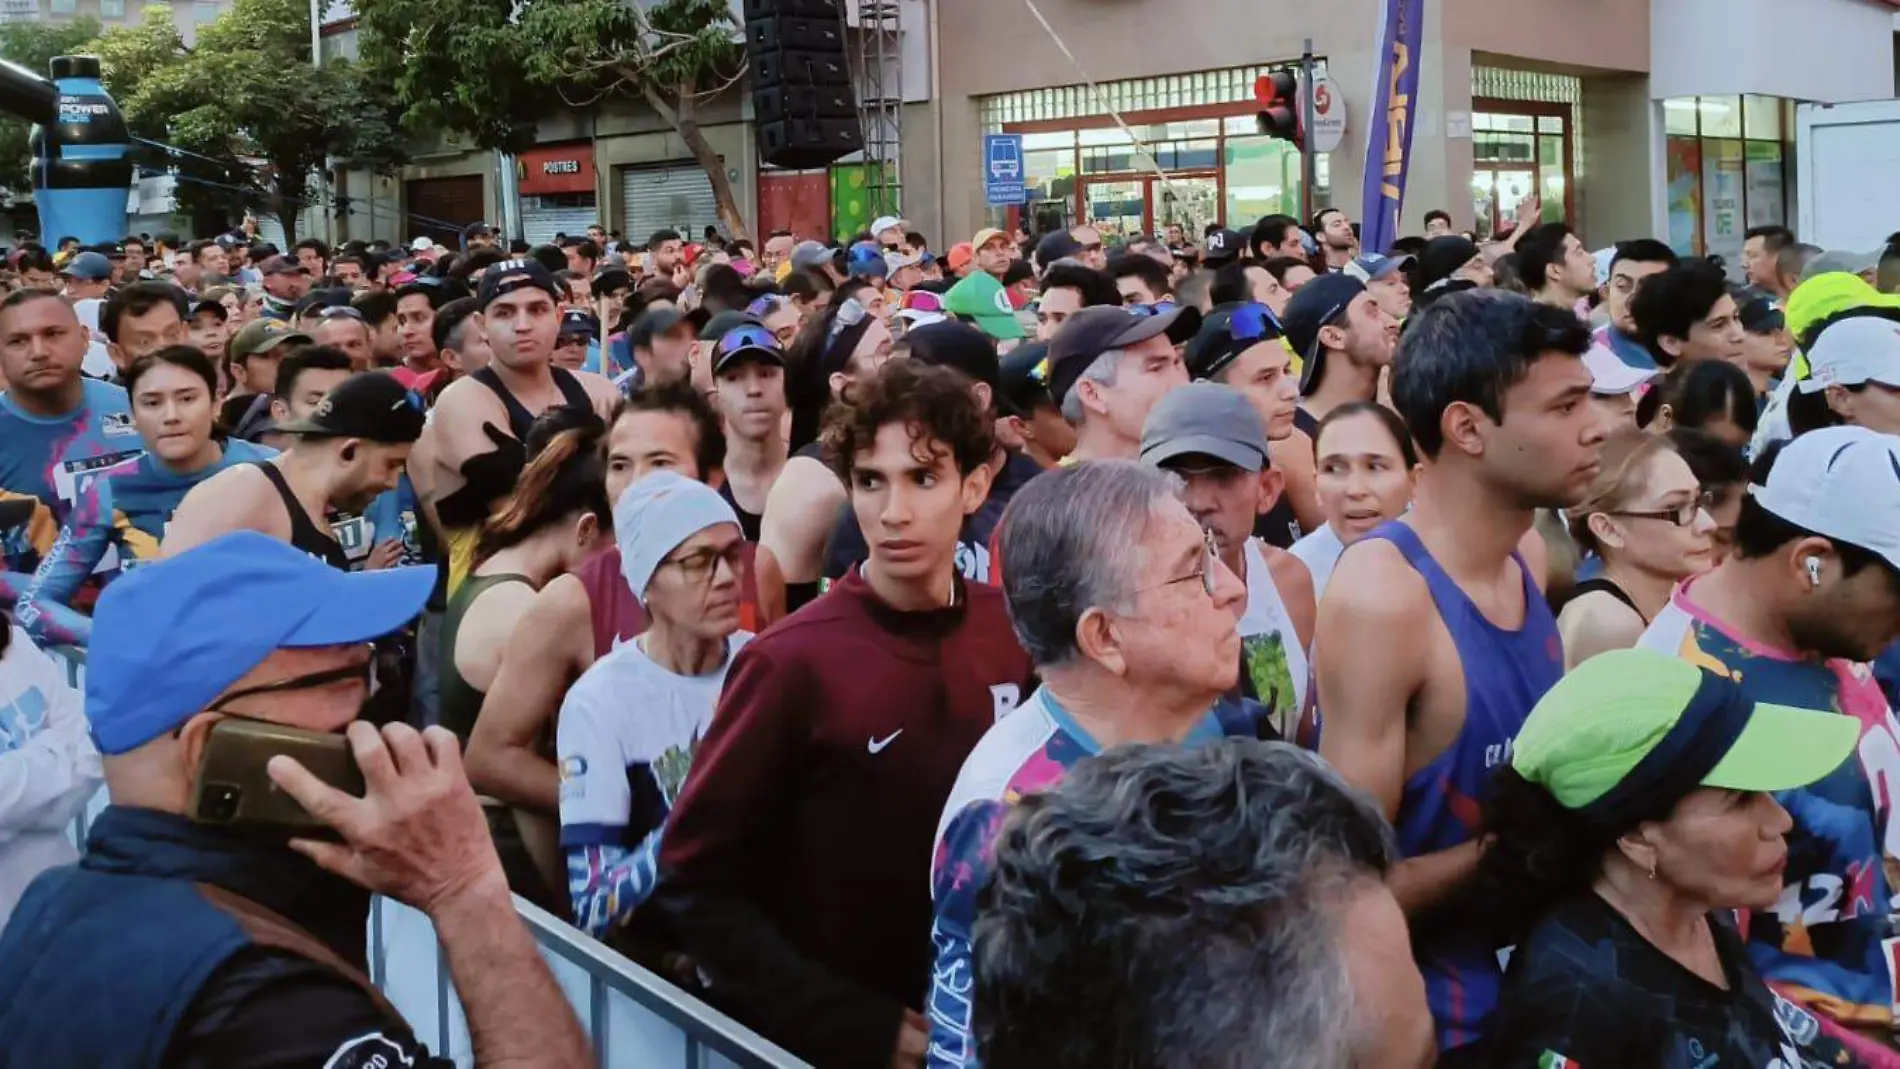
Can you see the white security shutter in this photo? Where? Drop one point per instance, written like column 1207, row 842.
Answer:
column 540, row 220
column 671, row 198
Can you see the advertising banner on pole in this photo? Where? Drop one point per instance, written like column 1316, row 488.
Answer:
column 1389, row 128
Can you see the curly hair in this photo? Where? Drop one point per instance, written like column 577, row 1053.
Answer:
column 935, row 403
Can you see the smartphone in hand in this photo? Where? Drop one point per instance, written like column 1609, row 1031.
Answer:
column 233, row 789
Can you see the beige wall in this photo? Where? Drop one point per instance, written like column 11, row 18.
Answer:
column 1603, row 34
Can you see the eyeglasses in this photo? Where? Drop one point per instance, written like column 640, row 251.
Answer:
column 363, row 671
column 697, row 567
column 1682, row 515
column 1210, row 557
column 747, row 337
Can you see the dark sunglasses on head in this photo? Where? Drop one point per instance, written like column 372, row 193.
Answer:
column 747, row 337
column 339, row 311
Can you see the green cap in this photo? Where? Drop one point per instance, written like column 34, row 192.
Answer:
column 1592, row 729
column 263, row 335
column 980, row 299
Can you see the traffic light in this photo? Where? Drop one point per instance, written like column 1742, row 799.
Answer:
column 1279, row 97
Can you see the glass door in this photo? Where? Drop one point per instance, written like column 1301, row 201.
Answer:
column 1192, row 200
column 1495, row 193
column 1117, row 207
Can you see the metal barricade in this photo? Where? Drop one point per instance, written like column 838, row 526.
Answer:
column 635, row 1019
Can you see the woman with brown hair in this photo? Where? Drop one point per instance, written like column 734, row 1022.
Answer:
column 557, row 516
column 1644, row 519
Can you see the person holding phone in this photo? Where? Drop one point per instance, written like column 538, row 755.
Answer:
column 213, row 927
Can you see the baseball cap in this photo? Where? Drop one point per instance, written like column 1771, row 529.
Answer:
column 1056, row 245
column 1093, row 331
column 1228, row 332
column 718, row 324
column 263, row 335
column 1603, row 259
column 1223, row 246
column 956, row 345
column 895, row 261
column 576, row 322
column 660, row 319
column 959, row 256
column 1442, row 256
column 511, row 275
column 866, row 260
column 810, row 254
column 1842, row 261
column 1610, row 376
column 281, row 265
column 1841, row 483
column 982, row 300
column 985, row 236
column 169, row 637
column 1022, row 380
column 883, row 223
column 747, row 339
column 1628, row 733
column 1319, row 303
column 612, row 280
column 1758, row 312
column 1373, row 266
column 370, row 405
column 1205, row 418
column 209, row 305
column 88, row 267
column 920, row 307
column 1852, row 351
column 422, row 245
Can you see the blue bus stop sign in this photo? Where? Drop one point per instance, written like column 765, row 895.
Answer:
column 1003, row 169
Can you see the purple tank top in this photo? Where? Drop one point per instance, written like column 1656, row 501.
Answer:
column 1506, row 672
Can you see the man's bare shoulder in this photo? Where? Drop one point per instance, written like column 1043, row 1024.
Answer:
column 1376, row 584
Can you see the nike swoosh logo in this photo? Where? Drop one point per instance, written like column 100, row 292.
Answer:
column 878, row 745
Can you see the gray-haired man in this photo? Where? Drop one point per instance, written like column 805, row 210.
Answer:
column 1122, row 601
column 1244, row 918
column 1108, row 367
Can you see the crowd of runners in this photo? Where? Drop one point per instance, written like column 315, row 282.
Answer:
column 1240, row 648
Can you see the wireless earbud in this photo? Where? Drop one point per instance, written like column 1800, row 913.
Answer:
column 1814, row 571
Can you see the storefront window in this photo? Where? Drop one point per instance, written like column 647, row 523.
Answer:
column 1720, row 182
column 1515, row 155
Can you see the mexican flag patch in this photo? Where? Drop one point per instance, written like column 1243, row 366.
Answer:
column 1550, row 1059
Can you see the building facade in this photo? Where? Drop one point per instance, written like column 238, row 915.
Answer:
column 1671, row 118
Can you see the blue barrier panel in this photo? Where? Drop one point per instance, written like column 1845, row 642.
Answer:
column 635, row 1019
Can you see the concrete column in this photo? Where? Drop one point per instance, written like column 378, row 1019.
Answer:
column 1615, row 197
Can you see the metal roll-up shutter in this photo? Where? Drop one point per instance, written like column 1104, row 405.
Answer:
column 544, row 217
column 672, row 198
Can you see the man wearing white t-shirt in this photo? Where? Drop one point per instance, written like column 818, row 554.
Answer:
column 1211, row 437
column 630, row 726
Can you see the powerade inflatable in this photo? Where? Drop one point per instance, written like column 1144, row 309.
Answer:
column 81, row 152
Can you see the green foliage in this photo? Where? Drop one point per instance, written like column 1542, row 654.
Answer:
column 33, row 45
column 250, row 113
column 454, row 65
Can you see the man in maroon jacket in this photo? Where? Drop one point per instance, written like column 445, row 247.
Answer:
column 795, row 866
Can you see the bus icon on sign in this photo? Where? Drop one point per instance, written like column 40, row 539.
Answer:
column 1005, row 163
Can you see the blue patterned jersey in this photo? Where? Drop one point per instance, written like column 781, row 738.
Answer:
column 1830, row 942
column 117, row 522
column 53, row 459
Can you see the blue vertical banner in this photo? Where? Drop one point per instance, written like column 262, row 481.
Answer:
column 1389, row 133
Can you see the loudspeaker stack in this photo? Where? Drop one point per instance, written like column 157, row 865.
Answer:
column 802, row 99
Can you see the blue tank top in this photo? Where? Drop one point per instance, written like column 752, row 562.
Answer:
column 1506, row 672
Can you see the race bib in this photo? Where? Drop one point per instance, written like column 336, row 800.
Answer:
column 72, row 477
column 353, row 534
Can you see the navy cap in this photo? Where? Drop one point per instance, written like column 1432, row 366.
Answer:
column 171, row 636
column 89, row 267
column 1056, row 245
column 1372, row 267
column 866, row 260
column 1093, row 331
column 511, row 275
column 1319, row 303
column 656, row 320
column 576, row 322
column 370, row 405
column 1223, row 246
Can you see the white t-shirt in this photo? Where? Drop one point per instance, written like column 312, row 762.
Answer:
column 627, row 733
column 48, row 767
column 1320, row 552
column 1271, row 654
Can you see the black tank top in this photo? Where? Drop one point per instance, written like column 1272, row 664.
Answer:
column 519, row 418
column 748, row 521
column 304, row 533
column 1608, row 586
column 798, row 594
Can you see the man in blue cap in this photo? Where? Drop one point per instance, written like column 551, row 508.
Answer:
column 204, row 945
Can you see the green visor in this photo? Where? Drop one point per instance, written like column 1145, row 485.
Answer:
column 1633, row 731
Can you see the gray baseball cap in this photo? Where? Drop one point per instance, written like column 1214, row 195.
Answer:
column 1209, row 419
column 810, row 254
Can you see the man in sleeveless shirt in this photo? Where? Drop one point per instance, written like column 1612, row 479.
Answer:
column 474, row 444
column 182, row 944
column 349, row 450
column 1434, row 639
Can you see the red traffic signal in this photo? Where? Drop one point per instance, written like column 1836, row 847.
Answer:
column 1279, row 97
